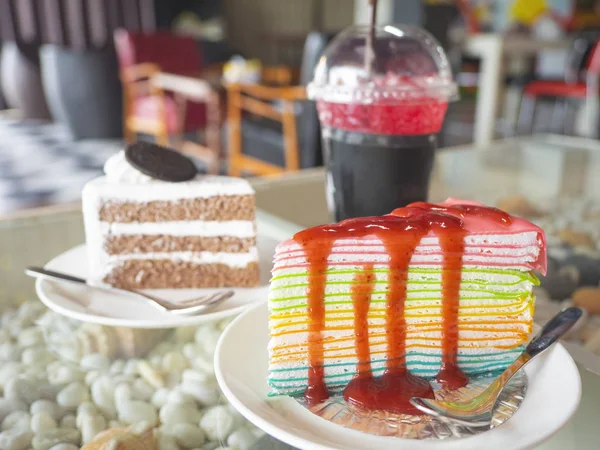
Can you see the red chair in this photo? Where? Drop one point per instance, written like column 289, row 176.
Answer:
column 146, row 108
column 577, row 89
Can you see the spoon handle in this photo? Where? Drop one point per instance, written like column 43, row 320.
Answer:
column 554, row 330
column 50, row 274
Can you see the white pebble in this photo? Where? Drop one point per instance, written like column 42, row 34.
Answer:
column 173, row 362
column 178, row 396
column 65, row 375
column 166, row 442
column 207, row 337
column 68, row 421
column 9, row 371
column 28, row 389
column 42, row 421
column 217, row 423
column 37, row 356
column 131, row 367
column 238, row 419
column 204, row 365
column 192, row 351
column 257, row 432
column 242, row 439
column 9, row 352
column 210, row 446
column 15, row 439
column 173, row 413
column 141, row 390
column 187, row 435
column 73, row 395
column 103, row 395
column 19, row 389
column 8, row 406
column 30, row 337
column 155, row 361
column 92, row 376
column 122, row 378
column 116, row 424
column 90, row 427
column 206, row 394
column 123, row 395
column 95, row 361
column 84, row 410
column 117, row 367
column 46, row 406
column 193, row 376
column 136, row 411
column 48, row 439
column 16, row 419
column 160, row 397
column 150, row 375
column 65, row 447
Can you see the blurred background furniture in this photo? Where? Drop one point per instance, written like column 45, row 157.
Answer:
column 580, row 82
column 190, row 90
column 273, row 129
column 492, row 49
column 146, row 108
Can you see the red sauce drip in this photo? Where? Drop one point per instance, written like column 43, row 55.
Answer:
column 450, row 376
column 400, row 234
column 317, row 253
column 361, row 300
column 485, row 212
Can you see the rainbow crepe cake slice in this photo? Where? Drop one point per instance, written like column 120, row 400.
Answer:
column 432, row 291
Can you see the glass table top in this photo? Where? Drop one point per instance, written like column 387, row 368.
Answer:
column 553, row 176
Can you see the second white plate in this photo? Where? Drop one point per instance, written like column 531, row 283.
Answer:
column 95, row 306
column 552, row 397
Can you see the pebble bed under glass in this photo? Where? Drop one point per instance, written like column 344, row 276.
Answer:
column 58, row 393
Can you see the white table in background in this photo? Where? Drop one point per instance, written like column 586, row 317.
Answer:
column 493, row 50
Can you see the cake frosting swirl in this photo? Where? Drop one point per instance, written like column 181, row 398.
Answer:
column 118, row 170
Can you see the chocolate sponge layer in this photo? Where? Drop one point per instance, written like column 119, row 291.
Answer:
column 168, row 274
column 218, row 208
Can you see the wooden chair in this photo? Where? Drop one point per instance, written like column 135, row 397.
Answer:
column 149, row 108
column 272, row 128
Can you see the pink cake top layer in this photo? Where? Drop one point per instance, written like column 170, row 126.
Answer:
column 475, row 219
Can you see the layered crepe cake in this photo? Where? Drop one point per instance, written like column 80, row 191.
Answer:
column 377, row 307
column 152, row 222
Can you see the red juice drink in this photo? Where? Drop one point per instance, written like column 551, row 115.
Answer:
column 380, row 125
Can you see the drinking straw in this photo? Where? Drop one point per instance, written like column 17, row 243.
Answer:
column 370, row 47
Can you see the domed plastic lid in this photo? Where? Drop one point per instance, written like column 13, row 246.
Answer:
column 407, row 65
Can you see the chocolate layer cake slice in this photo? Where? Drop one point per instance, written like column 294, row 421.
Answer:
column 375, row 306
column 145, row 232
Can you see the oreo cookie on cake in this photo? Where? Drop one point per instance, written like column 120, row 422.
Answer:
column 153, row 222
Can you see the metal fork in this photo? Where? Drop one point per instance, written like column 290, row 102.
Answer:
column 184, row 308
column 477, row 411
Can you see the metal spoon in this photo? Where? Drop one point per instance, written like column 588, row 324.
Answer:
column 184, row 308
column 477, row 412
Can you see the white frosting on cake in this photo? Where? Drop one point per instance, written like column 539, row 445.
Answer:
column 234, row 228
column 123, row 182
column 229, row 259
column 118, row 170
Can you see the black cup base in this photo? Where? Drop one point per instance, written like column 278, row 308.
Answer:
column 371, row 175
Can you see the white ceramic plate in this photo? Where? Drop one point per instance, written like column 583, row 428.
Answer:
column 92, row 305
column 241, row 362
